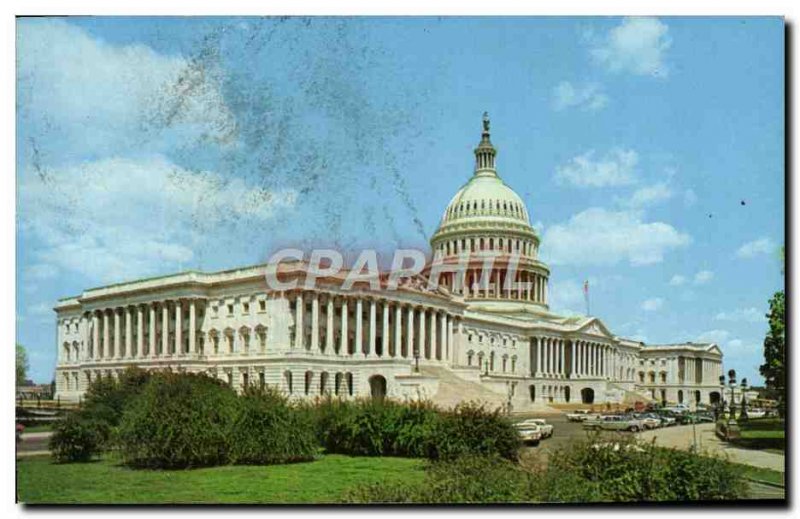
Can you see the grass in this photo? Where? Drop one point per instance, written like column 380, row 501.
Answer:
column 763, row 434
column 759, row 474
column 41, row 481
column 38, row 428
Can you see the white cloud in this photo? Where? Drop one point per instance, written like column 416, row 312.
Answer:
column 41, row 312
column 756, row 247
column 84, row 93
column 677, row 280
column 637, row 45
column 648, row 196
column 652, row 304
column 118, row 218
column 588, row 97
column 567, row 297
column 751, row 315
column 41, row 271
column 715, row 336
column 615, row 168
column 703, row 277
column 689, row 198
column 597, row 236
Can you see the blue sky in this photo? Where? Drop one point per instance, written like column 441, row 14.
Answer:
column 147, row 146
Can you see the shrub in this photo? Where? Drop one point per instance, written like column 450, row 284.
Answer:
column 468, row 479
column 178, row 421
column 627, row 470
column 472, row 429
column 78, row 438
column 107, row 397
column 266, row 429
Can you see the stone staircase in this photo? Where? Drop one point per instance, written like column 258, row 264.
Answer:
column 454, row 390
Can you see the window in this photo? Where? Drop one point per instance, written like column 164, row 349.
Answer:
column 230, row 309
column 262, row 305
column 262, row 380
column 246, row 307
column 215, row 310
column 245, row 380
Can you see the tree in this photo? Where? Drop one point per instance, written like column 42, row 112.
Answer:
column 774, row 368
column 22, row 364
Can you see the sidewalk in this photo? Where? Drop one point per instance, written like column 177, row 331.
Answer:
column 681, row 437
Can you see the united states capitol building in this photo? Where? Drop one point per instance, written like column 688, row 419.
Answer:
column 468, row 338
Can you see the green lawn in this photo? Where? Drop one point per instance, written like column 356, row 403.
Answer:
column 38, row 428
column 767, row 475
column 762, row 434
column 40, row 481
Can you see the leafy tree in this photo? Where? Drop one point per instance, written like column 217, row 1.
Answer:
column 22, row 364
column 774, row 368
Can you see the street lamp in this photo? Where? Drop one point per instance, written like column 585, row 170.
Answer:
column 721, row 403
column 416, row 361
column 743, row 412
column 732, row 383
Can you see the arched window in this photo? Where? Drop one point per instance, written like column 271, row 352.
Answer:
column 309, row 380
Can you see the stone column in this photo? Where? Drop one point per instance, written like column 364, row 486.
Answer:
column 165, row 329
column 192, row 326
column 410, row 333
column 562, row 347
column 299, row 330
column 95, row 335
column 359, row 327
column 315, row 323
column 448, row 350
column 128, row 333
column 139, row 332
column 572, row 359
column 398, row 331
column 385, row 329
column 372, row 333
column 423, row 351
column 152, row 338
column 178, row 328
column 106, row 336
column 117, row 335
column 329, row 326
column 538, row 347
column 344, row 339
column 442, row 335
column 433, row 345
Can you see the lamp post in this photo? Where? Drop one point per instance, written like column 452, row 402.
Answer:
column 732, row 383
column 416, row 361
column 721, row 403
column 743, row 412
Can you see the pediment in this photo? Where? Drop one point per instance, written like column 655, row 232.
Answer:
column 595, row 327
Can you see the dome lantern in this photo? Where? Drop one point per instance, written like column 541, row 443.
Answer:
column 485, row 152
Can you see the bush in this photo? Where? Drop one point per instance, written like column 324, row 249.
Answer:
column 266, row 429
column 178, row 421
column 414, row 429
column 627, row 470
column 78, row 438
column 472, row 429
column 468, row 479
column 107, row 397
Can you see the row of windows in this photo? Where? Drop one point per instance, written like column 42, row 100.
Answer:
column 470, row 339
column 524, row 247
column 487, row 207
column 230, row 307
column 471, row 358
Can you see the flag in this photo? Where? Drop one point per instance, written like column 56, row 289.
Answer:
column 586, row 287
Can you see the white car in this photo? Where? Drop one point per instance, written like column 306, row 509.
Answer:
column 546, row 428
column 578, row 416
column 756, row 413
column 528, row 432
column 614, row 423
column 649, row 421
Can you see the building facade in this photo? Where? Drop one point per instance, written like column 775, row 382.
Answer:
column 483, row 332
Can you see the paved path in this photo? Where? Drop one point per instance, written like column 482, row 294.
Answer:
column 682, row 437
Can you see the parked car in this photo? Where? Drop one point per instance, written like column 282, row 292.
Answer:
column 756, row 413
column 578, row 416
column 649, row 420
column 677, row 408
column 528, row 432
column 546, row 428
column 614, row 423
column 667, row 419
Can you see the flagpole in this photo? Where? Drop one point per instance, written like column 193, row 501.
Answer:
column 586, row 296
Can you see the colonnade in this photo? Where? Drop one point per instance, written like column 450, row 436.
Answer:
column 144, row 331
column 370, row 327
column 554, row 357
column 492, row 285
